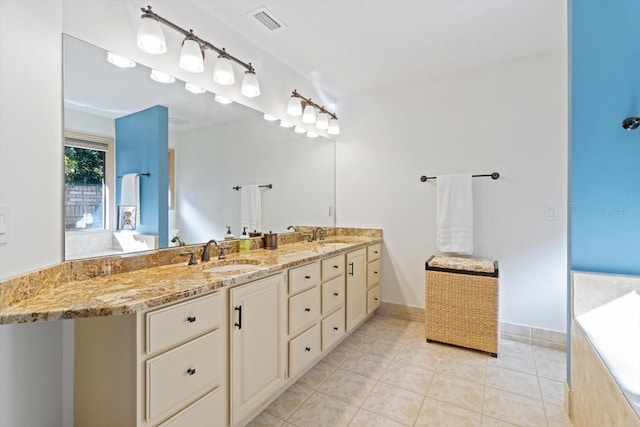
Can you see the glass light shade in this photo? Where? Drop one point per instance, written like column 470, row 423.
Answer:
column 323, row 121
column 223, row 71
column 294, row 107
column 150, row 36
column 312, row 134
column 299, row 129
column 161, row 77
column 270, row 118
column 250, row 85
column 120, row 61
column 309, row 114
column 222, row 99
column 191, row 57
column 286, row 124
column 334, row 127
column 194, row 88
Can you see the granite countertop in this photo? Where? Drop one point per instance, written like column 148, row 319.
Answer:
column 109, row 294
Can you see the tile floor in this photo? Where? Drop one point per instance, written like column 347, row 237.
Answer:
column 386, row 374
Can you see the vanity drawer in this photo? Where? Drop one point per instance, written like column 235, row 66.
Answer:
column 332, row 294
column 183, row 374
column 373, row 299
column 207, row 411
column 304, row 310
column 332, row 329
column 373, row 252
column 303, row 278
column 172, row 325
column 373, row 273
column 332, row 267
column 304, row 349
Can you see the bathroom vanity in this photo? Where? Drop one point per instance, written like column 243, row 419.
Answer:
column 211, row 344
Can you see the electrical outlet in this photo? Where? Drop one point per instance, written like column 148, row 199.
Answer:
column 551, row 212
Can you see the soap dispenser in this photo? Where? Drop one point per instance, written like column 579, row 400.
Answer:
column 244, row 245
column 229, row 235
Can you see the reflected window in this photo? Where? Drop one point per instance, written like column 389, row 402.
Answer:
column 88, row 177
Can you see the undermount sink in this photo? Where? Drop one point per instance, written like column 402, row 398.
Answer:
column 231, row 266
column 333, row 246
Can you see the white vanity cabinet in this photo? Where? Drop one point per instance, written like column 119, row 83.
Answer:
column 257, row 356
column 356, row 288
column 165, row 366
column 373, row 277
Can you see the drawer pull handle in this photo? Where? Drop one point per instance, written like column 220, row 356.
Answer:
column 191, row 319
column 375, row 252
column 336, row 294
column 239, row 310
column 335, row 266
column 335, row 328
column 307, row 277
column 307, row 349
column 375, row 272
column 376, row 299
column 191, row 371
column 351, row 272
column 307, row 309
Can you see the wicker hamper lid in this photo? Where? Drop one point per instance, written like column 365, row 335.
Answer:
column 474, row 266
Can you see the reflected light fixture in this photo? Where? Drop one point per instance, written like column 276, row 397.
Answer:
column 299, row 129
column 312, row 134
column 191, row 55
column 222, row 99
column 161, row 77
column 286, row 124
column 151, row 40
column 269, row 117
column 194, row 88
column 325, row 119
column 120, row 61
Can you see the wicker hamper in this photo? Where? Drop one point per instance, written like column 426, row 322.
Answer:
column 461, row 302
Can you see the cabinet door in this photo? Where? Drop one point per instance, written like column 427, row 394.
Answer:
column 256, row 344
column 356, row 288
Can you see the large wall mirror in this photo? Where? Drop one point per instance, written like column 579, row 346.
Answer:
column 206, row 149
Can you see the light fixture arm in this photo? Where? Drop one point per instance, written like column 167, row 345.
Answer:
column 308, row 101
column 148, row 13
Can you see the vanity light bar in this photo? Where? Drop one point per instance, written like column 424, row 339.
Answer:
column 325, row 120
column 250, row 86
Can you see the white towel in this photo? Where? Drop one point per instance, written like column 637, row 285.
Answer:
column 455, row 214
column 130, row 193
column 250, row 208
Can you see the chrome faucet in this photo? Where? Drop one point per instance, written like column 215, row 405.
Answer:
column 292, row 227
column 205, row 251
column 322, row 234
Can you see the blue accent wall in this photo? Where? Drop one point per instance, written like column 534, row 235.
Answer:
column 142, row 144
column 604, row 158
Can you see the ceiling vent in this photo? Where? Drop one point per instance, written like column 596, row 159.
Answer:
column 268, row 19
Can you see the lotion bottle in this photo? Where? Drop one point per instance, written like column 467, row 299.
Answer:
column 244, row 245
column 229, row 235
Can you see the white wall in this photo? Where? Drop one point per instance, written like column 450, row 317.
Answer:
column 251, row 151
column 32, row 388
column 510, row 118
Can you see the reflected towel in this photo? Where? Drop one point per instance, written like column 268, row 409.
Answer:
column 130, row 193
column 250, row 208
column 455, row 214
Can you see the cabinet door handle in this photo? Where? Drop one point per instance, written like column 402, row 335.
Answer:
column 335, row 328
column 307, row 277
column 191, row 319
column 307, row 309
column 307, row 349
column 375, row 272
column 335, row 266
column 375, row 252
column 351, row 266
column 239, row 310
column 191, row 371
column 376, row 299
column 336, row 294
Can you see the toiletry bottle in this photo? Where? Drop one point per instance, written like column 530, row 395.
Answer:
column 244, row 245
column 229, row 236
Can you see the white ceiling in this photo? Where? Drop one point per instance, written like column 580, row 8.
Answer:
column 351, row 46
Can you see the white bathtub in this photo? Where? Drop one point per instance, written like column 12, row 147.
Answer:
column 614, row 331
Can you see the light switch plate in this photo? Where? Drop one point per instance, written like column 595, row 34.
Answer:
column 4, row 224
column 551, row 212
